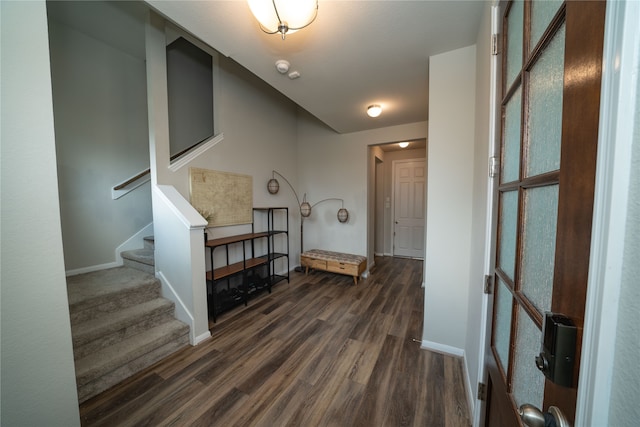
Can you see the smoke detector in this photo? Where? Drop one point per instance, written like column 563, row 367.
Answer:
column 282, row 66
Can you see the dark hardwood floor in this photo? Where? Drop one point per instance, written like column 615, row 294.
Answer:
column 318, row 351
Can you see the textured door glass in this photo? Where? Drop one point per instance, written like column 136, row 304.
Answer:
column 542, row 12
column 514, row 41
column 511, row 149
column 502, row 327
column 539, row 245
column 508, row 229
column 528, row 381
column 545, row 108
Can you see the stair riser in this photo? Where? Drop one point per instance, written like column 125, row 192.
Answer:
column 122, row 300
column 102, row 363
column 83, row 346
column 149, row 243
column 139, row 266
column 95, row 386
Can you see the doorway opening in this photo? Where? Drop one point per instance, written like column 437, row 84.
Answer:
column 382, row 190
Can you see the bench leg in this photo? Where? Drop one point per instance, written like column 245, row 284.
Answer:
column 355, row 280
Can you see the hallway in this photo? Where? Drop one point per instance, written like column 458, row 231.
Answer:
column 316, row 352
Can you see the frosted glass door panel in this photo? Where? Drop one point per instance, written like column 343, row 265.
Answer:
column 528, row 381
column 514, row 42
column 502, row 326
column 545, row 108
column 542, row 12
column 508, row 230
column 539, row 245
column 511, row 148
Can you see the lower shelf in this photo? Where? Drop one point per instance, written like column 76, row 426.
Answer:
column 275, row 278
column 229, row 292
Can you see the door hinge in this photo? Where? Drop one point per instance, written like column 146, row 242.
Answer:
column 482, row 391
column 494, row 44
column 488, row 284
column 494, row 167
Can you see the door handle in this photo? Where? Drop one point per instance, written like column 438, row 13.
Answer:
column 534, row 417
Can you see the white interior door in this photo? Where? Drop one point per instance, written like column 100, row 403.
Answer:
column 409, row 181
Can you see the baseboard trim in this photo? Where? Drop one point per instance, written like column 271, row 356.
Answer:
column 471, row 396
column 442, row 348
column 202, row 337
column 182, row 313
column 92, row 268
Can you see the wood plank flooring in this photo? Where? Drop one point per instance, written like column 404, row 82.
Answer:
column 318, row 351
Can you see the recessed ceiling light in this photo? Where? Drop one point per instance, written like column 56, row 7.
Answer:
column 403, row 144
column 374, row 110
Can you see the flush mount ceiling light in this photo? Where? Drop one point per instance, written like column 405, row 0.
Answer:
column 403, row 144
column 282, row 65
column 284, row 16
column 374, row 110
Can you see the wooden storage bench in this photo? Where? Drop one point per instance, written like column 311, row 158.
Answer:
column 334, row 262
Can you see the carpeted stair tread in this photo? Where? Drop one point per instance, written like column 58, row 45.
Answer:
column 113, row 357
column 92, row 289
column 120, row 322
column 110, row 379
column 143, row 256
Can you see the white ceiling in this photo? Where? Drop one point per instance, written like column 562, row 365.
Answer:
column 356, row 53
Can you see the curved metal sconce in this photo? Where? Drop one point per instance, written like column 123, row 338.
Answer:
column 273, row 186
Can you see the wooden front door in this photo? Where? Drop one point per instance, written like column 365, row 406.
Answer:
column 551, row 72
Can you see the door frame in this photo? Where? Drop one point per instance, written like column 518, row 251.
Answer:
column 617, row 108
column 492, row 214
column 610, row 200
column 393, row 203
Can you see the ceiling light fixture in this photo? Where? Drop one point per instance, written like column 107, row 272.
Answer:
column 403, row 144
column 284, row 16
column 374, row 110
column 282, row 65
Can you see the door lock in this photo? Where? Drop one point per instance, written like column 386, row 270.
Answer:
column 557, row 353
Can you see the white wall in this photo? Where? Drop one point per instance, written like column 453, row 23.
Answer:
column 338, row 165
column 38, row 377
column 100, row 113
column 625, row 386
column 449, row 198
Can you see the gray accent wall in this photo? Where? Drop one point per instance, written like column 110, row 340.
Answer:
column 100, row 111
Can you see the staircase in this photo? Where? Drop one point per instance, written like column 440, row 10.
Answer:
column 141, row 259
column 120, row 324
